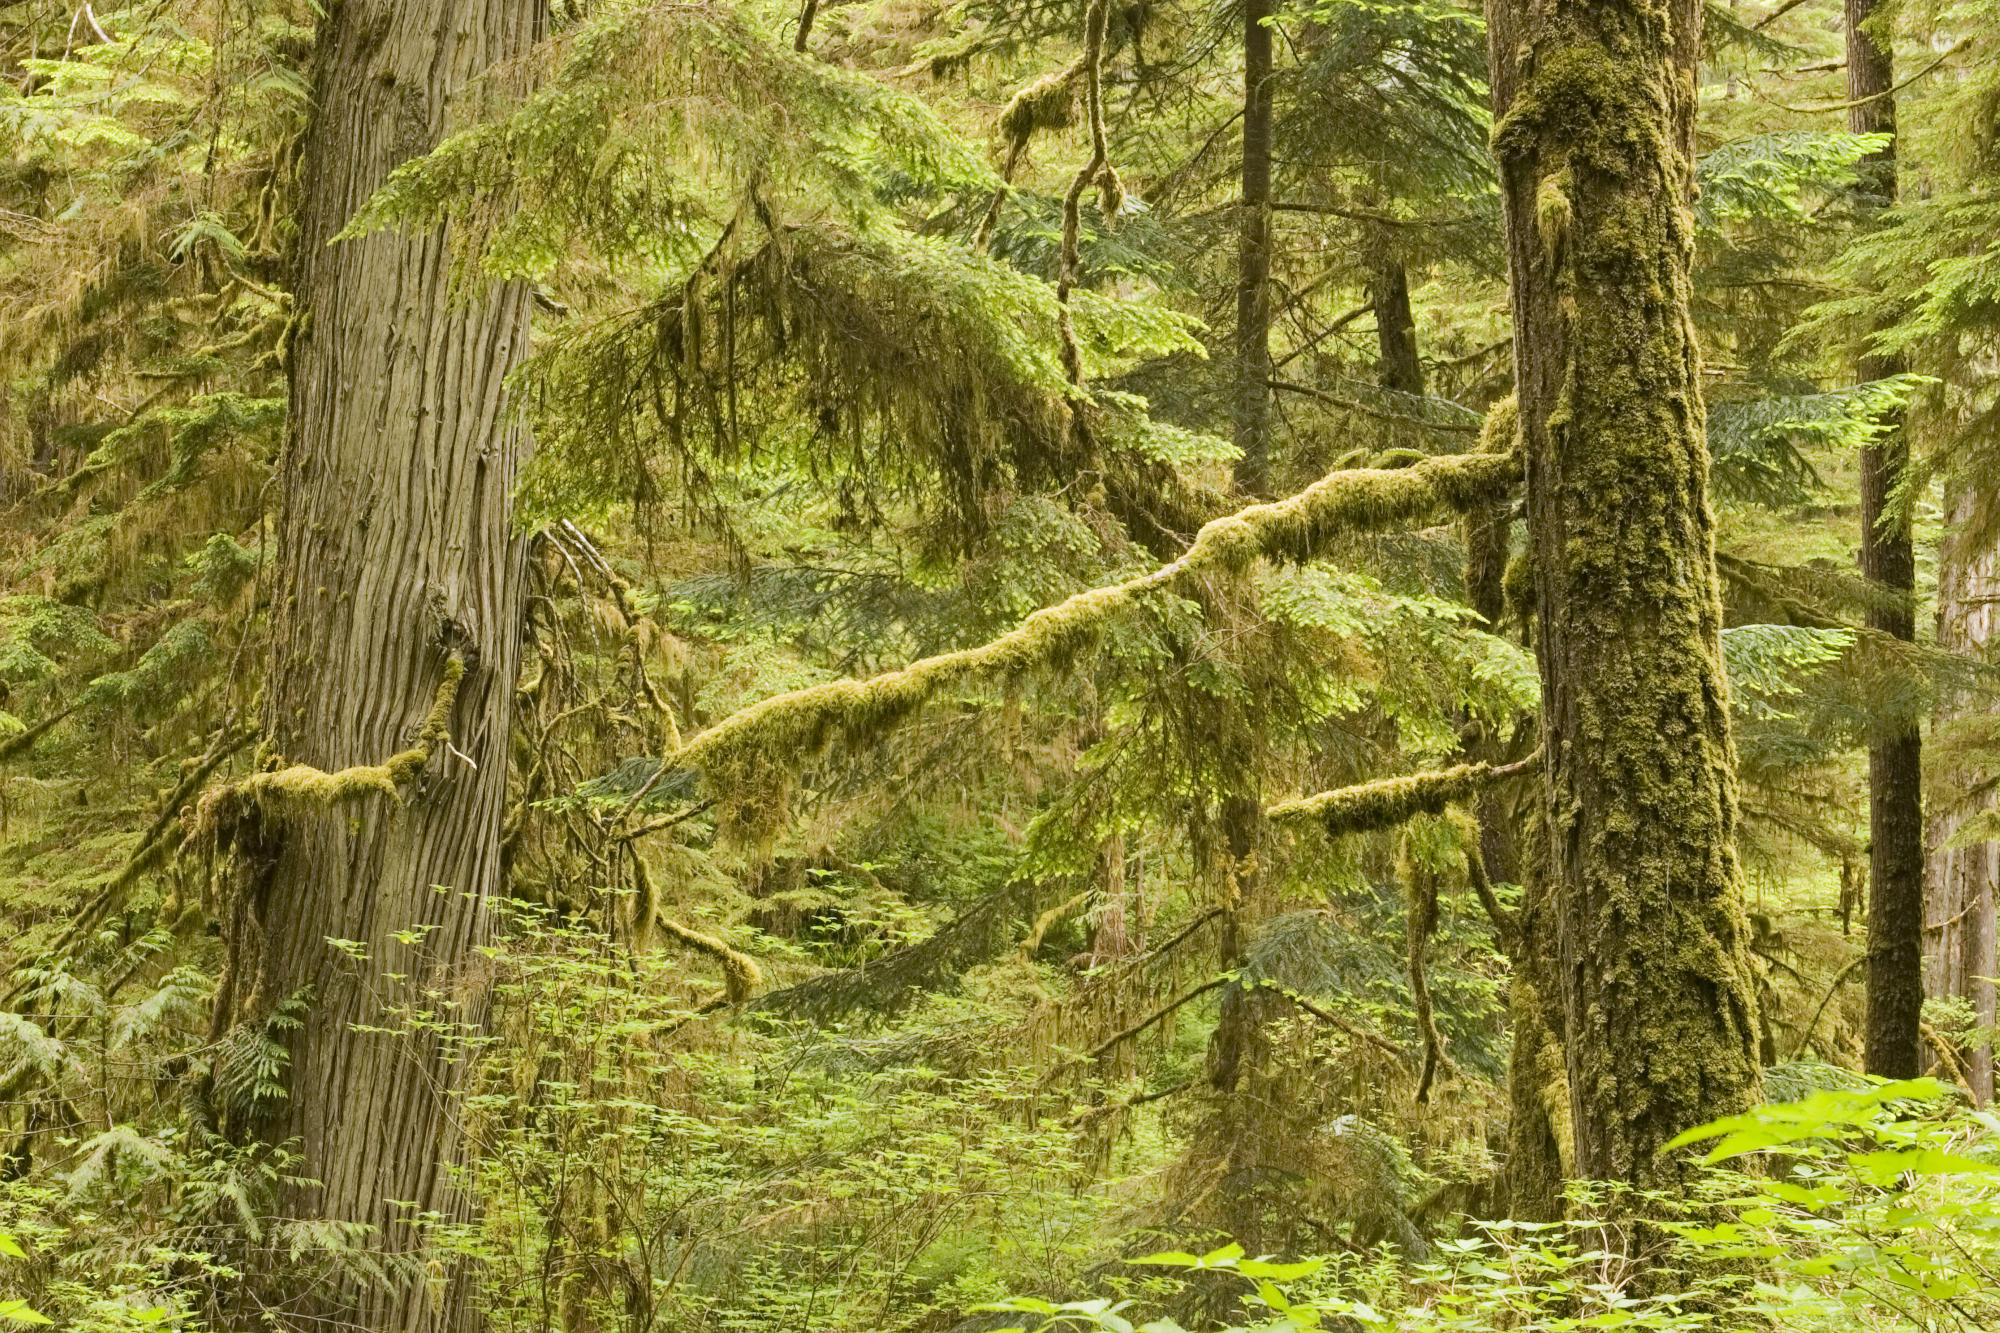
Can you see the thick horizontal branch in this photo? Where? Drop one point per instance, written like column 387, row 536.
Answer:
column 223, row 811
column 742, row 754
column 1387, row 802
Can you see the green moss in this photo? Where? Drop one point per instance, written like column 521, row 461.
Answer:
column 1385, row 802
column 224, row 812
column 1049, row 103
column 1654, row 992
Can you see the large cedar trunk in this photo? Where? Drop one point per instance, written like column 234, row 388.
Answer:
column 1894, row 1047
column 1959, row 895
column 396, row 559
column 1642, row 933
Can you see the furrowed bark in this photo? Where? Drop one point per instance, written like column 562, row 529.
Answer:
column 397, row 571
column 1642, row 933
column 1893, row 1043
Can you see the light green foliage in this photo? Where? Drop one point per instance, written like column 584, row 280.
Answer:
column 1778, row 175
column 773, row 1177
column 1872, row 1207
column 1876, row 1207
column 1765, row 663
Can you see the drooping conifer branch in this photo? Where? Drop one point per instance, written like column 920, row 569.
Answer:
column 748, row 756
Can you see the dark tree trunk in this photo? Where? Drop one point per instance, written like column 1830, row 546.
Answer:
column 1395, row 326
column 396, row 560
column 1895, row 753
column 1644, row 945
column 1253, row 270
column 1959, row 892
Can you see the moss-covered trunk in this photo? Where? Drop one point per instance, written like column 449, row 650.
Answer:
column 1894, row 1047
column 1253, row 260
column 397, row 572
column 1642, row 934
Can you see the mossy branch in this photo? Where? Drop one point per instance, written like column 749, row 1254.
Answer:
column 748, row 756
column 1387, row 802
column 224, row 811
column 22, row 742
column 740, row 973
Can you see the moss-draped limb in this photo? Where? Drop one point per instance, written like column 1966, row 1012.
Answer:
column 24, row 741
column 740, row 974
column 1420, row 920
column 1387, row 802
column 747, row 756
column 224, row 810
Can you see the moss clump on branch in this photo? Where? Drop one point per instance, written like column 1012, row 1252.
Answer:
column 740, row 973
column 1387, row 802
column 748, row 757
column 223, row 811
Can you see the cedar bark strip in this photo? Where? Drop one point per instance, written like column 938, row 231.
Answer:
column 1893, row 1045
column 396, row 560
column 1642, row 932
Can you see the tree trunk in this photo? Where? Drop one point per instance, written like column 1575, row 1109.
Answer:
column 396, row 560
column 1253, row 268
column 1646, row 940
column 1395, row 325
column 1958, row 913
column 1894, row 1047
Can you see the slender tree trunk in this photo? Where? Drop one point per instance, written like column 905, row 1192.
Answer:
column 1253, row 269
column 396, row 560
column 1395, row 326
column 1646, row 940
column 1894, row 1047
column 1959, row 895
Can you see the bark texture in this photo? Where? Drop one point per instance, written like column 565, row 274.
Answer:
column 1642, row 934
column 1960, row 939
column 1893, row 1044
column 397, row 570
column 1253, row 262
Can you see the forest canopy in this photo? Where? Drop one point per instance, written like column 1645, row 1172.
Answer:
column 927, row 666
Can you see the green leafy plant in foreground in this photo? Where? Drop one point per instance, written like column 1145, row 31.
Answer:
column 1874, row 1208
column 14, row 1310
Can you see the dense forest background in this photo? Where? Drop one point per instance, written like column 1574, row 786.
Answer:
column 715, row 665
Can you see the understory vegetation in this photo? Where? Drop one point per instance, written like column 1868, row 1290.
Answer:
column 930, row 666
